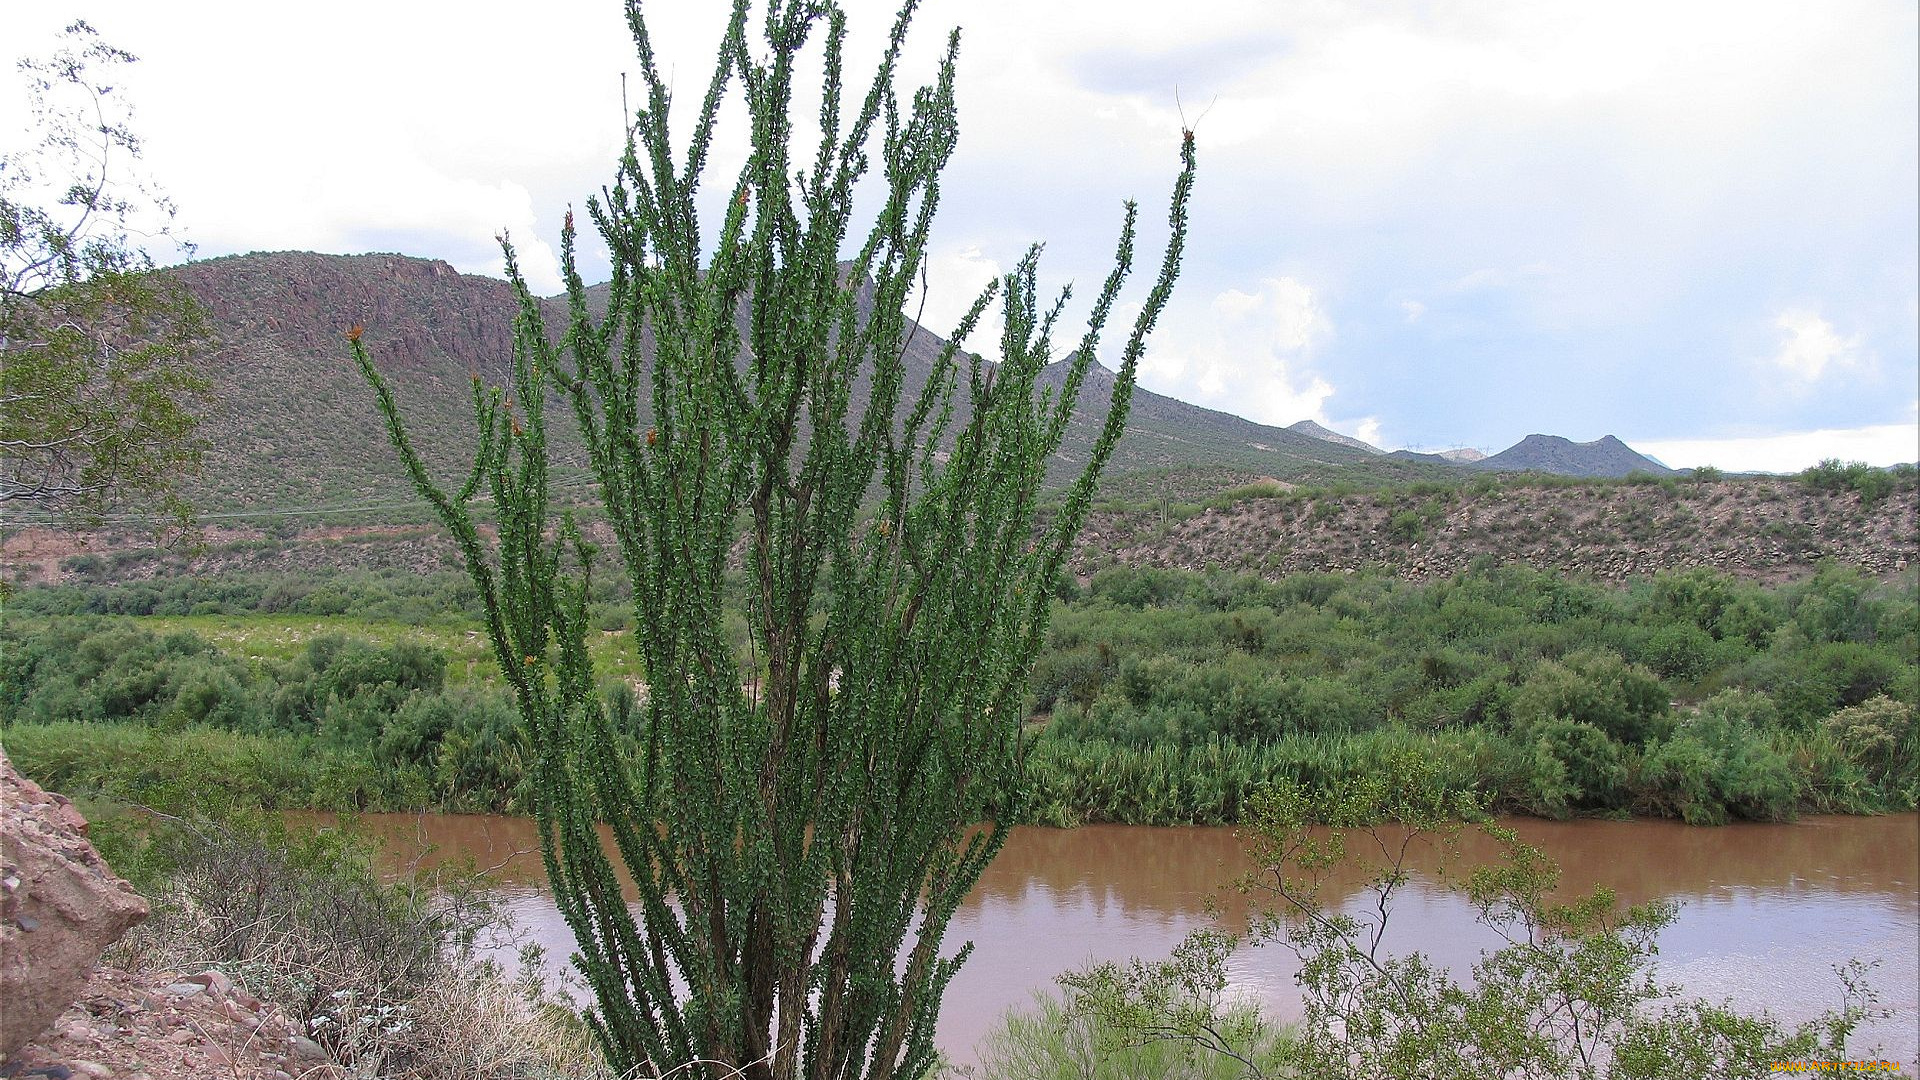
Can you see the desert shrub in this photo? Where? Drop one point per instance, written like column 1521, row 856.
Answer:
column 360, row 680
column 1468, row 703
column 1622, row 700
column 1749, row 620
column 1680, row 651
column 384, row 975
column 1718, row 765
column 1831, row 475
column 1047, row 1041
column 1808, row 684
column 1838, row 603
column 1592, row 773
column 1407, row 526
column 1136, row 587
column 1073, row 675
column 1880, row 735
column 200, row 768
column 84, row 669
column 1698, row 596
column 479, row 759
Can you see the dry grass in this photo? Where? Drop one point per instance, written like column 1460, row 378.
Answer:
column 385, row 978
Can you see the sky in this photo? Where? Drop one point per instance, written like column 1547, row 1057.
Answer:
column 1691, row 224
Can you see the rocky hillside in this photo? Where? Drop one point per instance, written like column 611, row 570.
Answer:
column 292, row 427
column 1758, row 528
column 1761, row 528
column 1314, row 431
column 291, row 423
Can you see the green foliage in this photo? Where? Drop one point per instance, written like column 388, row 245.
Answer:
column 79, row 670
column 382, row 596
column 1870, row 483
column 1050, row 1041
column 1718, row 763
column 202, row 769
column 1170, row 1018
column 798, row 822
column 1168, row 697
column 1190, row 690
column 1572, row 994
column 346, row 722
column 1623, row 701
column 97, row 381
column 1880, row 735
column 1575, row 767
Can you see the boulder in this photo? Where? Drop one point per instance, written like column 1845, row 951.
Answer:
column 60, row 905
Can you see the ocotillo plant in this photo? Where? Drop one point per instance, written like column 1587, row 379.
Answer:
column 799, row 824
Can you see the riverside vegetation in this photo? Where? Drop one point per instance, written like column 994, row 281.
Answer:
column 1162, row 697
column 1570, row 990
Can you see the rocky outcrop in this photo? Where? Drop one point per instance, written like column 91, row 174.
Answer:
column 162, row 1025
column 60, row 905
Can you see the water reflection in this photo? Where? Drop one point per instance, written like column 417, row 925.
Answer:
column 1767, row 910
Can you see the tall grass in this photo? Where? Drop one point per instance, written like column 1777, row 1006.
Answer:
column 204, row 768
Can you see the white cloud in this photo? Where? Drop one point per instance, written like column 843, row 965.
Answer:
column 1247, row 353
column 1368, row 431
column 1791, row 451
column 1809, row 345
column 1439, row 155
column 955, row 276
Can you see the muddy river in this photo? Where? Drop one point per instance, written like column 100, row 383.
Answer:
column 1766, row 911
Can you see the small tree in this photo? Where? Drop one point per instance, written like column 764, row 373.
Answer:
column 798, row 825
column 96, row 383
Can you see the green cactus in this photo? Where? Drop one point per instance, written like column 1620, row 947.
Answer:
column 797, row 825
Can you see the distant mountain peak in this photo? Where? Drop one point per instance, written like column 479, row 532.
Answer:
column 1314, row 431
column 1605, row 456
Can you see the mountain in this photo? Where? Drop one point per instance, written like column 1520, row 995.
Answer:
column 1424, row 458
column 1605, row 456
column 290, row 422
column 292, row 426
column 1314, row 431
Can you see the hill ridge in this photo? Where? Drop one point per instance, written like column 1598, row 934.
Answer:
column 292, row 424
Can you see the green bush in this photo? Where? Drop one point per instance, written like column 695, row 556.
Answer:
column 1718, row 765
column 1679, row 651
column 1592, row 773
column 1880, row 735
column 1622, row 700
column 1870, row 483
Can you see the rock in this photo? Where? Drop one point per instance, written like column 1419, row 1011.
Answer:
column 217, row 983
column 306, row 1048
column 60, row 905
column 93, row 1069
column 186, row 989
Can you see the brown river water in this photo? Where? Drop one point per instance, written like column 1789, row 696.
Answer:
column 1766, row 911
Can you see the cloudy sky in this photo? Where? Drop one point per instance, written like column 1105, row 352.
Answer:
column 1430, row 223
